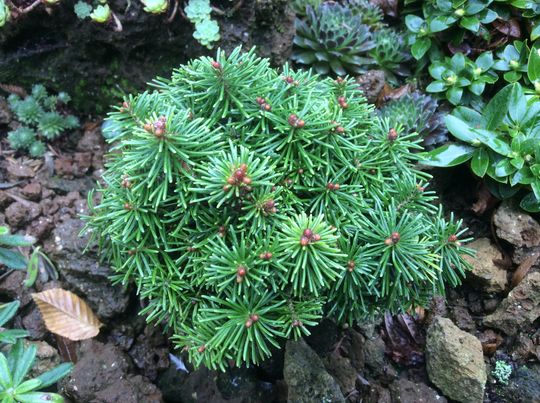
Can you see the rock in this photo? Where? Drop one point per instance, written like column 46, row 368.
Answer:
column 18, row 170
column 520, row 309
column 405, row 391
column 47, row 358
column 170, row 383
column 63, row 185
column 374, row 349
column 523, row 386
column 371, row 84
column 515, row 226
column 40, row 228
column 150, row 352
column 19, row 213
column 12, row 288
column 32, row 191
column 341, row 369
column 356, row 349
column 462, row 318
column 34, row 324
column 306, row 378
column 84, row 273
column 485, row 273
column 323, row 337
column 73, row 165
column 374, row 393
column 455, row 363
column 101, row 374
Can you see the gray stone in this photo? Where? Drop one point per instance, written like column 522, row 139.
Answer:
column 485, row 273
column 455, row 363
column 306, row 377
column 523, row 386
column 515, row 226
column 84, row 273
column 405, row 391
column 101, row 374
column 342, row 370
column 520, row 309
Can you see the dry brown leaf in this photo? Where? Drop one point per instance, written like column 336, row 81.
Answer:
column 523, row 269
column 65, row 314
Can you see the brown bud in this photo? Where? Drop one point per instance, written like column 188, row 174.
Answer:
column 243, row 167
column 201, row 349
column 254, row 317
column 288, row 79
column 246, row 180
column 340, row 129
column 131, row 252
column 249, row 323
column 339, row 80
column 293, row 120
column 392, row 135
column 304, row 241
column 216, row 65
column 267, row 107
column 388, row 242
column 452, row 238
column 260, row 100
column 128, row 206
column 241, row 271
column 300, row 171
column 316, row 238
column 300, row 123
column 226, row 188
column 148, row 127
column 395, row 237
column 297, row 323
column 308, row 233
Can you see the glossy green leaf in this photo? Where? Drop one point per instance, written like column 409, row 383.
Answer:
column 470, row 23
column 414, row 23
column 420, row 47
column 494, row 142
column 460, row 129
column 54, row 375
column 480, row 162
column 448, row 155
column 517, row 107
column 504, row 168
column 12, row 259
column 530, row 203
column 533, row 66
column 7, row 311
column 436, row 86
column 454, row 95
column 496, row 109
column 485, row 61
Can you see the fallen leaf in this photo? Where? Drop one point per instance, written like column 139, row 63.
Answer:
column 523, row 269
column 510, row 27
column 67, row 315
column 388, row 93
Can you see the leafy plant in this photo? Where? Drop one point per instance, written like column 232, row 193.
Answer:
column 460, row 78
column 391, row 53
column 18, row 361
column 417, row 113
column 299, row 6
column 502, row 372
column 206, row 29
column 101, row 14
column 82, row 10
column 40, row 120
column 501, row 142
column 332, row 39
column 10, row 258
column 371, row 14
column 247, row 202
column 513, row 61
column 155, row 6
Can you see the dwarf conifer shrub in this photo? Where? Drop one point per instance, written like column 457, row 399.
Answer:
column 247, row 202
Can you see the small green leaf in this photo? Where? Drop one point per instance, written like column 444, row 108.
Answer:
column 533, row 66
column 470, row 23
column 54, row 375
column 530, row 203
column 504, row 168
column 448, row 155
column 420, row 47
column 494, row 142
column 11, row 259
column 457, row 62
column 485, row 61
column 460, row 129
column 480, row 162
column 496, row 109
column 454, row 95
column 414, row 23
column 7, row 311
column 535, row 33
column 436, row 86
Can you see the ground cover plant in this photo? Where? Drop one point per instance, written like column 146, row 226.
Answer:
column 247, row 202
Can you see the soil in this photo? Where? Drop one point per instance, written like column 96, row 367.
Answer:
column 378, row 361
